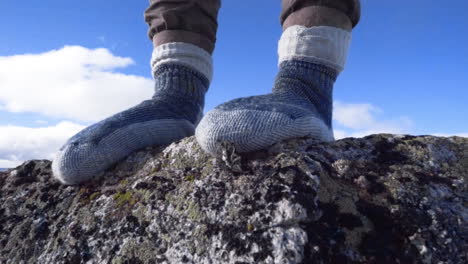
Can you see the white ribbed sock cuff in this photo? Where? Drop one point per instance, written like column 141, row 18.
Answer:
column 185, row 54
column 322, row 44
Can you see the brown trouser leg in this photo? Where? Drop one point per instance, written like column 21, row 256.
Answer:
column 189, row 21
column 343, row 14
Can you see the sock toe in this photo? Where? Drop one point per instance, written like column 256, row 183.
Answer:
column 71, row 166
column 253, row 127
column 82, row 158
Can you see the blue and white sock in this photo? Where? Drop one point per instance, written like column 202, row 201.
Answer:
column 300, row 104
column 182, row 74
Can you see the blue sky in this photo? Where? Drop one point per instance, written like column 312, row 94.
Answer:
column 67, row 64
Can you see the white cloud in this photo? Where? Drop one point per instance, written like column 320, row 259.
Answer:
column 41, row 122
column 9, row 163
column 73, row 82
column 338, row 133
column 18, row 144
column 358, row 120
column 354, row 116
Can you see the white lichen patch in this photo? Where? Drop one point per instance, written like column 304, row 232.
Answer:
column 288, row 244
column 289, row 213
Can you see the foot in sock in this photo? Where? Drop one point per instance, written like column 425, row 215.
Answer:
column 170, row 115
column 300, row 104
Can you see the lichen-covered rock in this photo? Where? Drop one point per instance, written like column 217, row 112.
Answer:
column 379, row 199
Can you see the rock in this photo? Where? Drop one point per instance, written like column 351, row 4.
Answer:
column 378, row 199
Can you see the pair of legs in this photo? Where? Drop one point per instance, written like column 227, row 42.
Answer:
column 312, row 52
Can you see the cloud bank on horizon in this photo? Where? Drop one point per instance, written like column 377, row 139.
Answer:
column 80, row 86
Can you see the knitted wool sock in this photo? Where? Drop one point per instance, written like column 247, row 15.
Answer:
column 301, row 101
column 172, row 114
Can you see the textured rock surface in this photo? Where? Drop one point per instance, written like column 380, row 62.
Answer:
column 380, row 199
